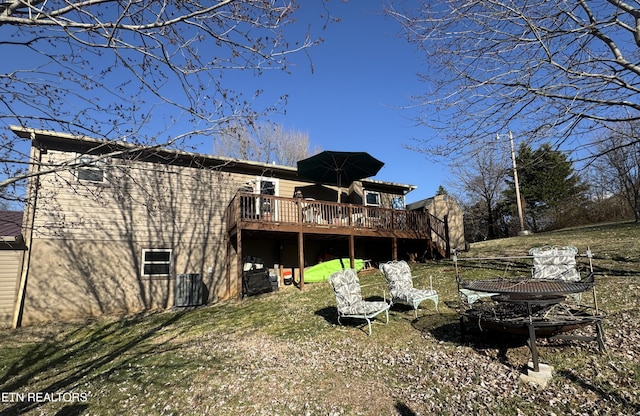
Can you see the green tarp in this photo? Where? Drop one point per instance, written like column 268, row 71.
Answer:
column 322, row 271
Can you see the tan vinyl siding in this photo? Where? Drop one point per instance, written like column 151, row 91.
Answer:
column 10, row 264
column 81, row 278
column 287, row 188
column 143, row 201
column 88, row 238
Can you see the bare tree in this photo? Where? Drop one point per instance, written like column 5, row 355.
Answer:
column 621, row 165
column 549, row 70
column 148, row 73
column 265, row 142
column 284, row 147
column 481, row 180
column 236, row 141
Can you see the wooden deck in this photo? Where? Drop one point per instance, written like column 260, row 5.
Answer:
column 273, row 214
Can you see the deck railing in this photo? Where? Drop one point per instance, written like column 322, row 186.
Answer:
column 299, row 211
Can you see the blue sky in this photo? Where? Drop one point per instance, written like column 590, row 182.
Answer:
column 364, row 72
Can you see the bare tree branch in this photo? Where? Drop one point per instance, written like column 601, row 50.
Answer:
column 145, row 72
column 551, row 71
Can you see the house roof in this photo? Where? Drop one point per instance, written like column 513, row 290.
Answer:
column 423, row 203
column 45, row 139
column 10, row 223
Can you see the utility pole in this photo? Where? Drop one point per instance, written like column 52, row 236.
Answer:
column 523, row 231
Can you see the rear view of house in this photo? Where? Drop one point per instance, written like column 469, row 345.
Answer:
column 113, row 228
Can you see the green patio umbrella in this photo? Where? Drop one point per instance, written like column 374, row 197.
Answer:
column 338, row 168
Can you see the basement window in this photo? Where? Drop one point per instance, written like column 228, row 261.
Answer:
column 156, row 263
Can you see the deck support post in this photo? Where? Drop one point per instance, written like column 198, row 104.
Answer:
column 228, row 267
column 394, row 248
column 301, row 257
column 352, row 251
column 239, row 263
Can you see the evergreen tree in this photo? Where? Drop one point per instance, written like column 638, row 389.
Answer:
column 549, row 185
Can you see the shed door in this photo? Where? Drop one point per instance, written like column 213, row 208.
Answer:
column 10, row 262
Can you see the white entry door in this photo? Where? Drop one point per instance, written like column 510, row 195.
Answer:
column 267, row 207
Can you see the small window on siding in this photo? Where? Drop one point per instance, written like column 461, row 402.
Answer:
column 156, row 263
column 91, row 170
column 372, row 198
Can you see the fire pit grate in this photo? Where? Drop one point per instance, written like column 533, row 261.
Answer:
column 533, row 287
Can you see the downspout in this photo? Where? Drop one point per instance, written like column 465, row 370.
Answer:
column 32, row 198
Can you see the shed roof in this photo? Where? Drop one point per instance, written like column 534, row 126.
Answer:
column 10, row 223
column 423, row 203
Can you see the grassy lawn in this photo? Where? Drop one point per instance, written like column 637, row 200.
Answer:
column 283, row 353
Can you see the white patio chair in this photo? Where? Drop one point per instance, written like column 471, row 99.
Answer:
column 472, row 296
column 400, row 282
column 350, row 304
column 468, row 296
column 556, row 263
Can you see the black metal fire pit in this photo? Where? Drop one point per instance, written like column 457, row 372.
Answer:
column 534, row 308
